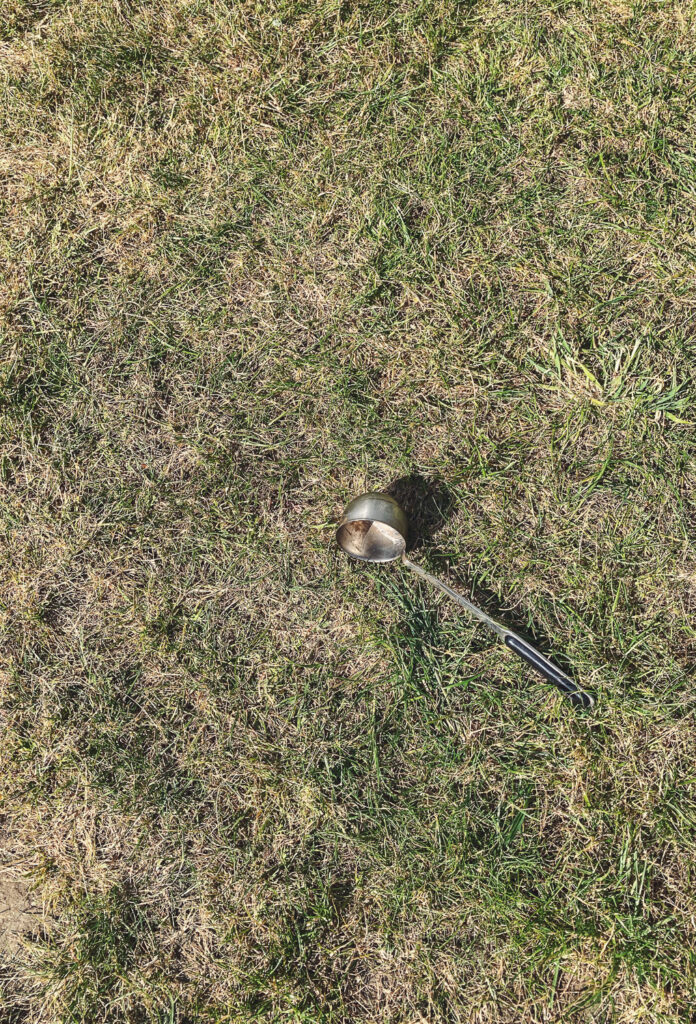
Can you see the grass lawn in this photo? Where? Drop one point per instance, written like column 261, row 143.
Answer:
column 256, row 258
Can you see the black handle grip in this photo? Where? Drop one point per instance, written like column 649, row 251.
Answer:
column 549, row 671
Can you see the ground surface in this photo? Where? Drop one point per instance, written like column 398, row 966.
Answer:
column 257, row 258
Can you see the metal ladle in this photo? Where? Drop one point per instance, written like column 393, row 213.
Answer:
column 374, row 528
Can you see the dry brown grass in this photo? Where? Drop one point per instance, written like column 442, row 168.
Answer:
column 255, row 259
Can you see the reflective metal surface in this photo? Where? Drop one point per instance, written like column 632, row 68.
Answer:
column 373, row 529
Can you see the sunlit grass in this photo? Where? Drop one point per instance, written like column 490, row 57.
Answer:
column 258, row 258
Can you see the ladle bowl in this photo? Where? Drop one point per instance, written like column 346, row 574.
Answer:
column 373, row 529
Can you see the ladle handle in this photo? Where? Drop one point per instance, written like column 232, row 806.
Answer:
column 548, row 670
column 552, row 673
